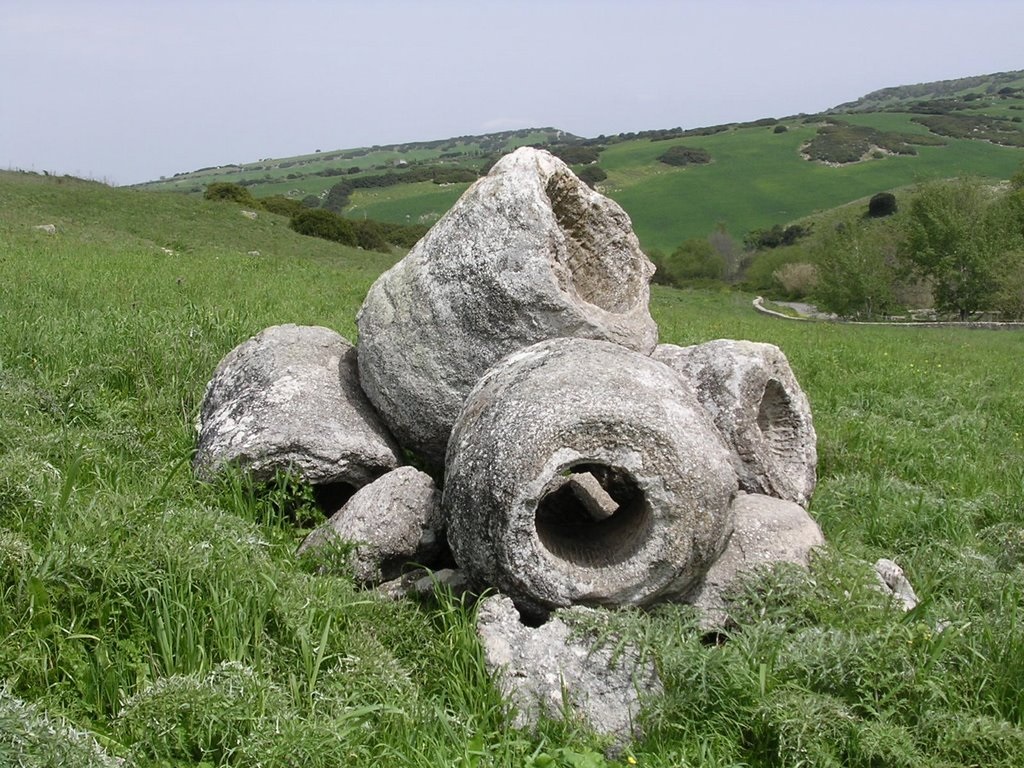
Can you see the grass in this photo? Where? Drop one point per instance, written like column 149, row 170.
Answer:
column 169, row 623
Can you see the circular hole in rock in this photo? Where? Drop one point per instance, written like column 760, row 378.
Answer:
column 595, row 516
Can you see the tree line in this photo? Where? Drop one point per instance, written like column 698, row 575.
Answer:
column 955, row 246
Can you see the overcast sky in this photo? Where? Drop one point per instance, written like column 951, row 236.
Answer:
column 131, row 90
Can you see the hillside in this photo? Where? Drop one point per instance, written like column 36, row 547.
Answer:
column 170, row 622
column 760, row 173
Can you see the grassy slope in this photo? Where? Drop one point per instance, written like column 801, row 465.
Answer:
column 118, row 571
column 757, row 179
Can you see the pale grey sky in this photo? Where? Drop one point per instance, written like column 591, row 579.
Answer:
column 129, row 90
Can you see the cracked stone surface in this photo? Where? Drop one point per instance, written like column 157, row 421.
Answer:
column 393, row 522
column 549, row 669
column 766, row 531
column 757, row 404
column 528, row 253
column 288, row 399
column 576, row 406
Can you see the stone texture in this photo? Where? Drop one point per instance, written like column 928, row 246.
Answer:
column 569, row 406
column 423, row 583
column 766, row 531
column 393, row 522
column 760, row 409
column 527, row 253
column 289, row 399
column 547, row 670
column 894, row 582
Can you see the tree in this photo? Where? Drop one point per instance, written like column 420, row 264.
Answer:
column 226, row 190
column 949, row 238
column 882, row 204
column 857, row 270
column 317, row 222
column 693, row 260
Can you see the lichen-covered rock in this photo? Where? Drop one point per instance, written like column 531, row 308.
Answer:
column 548, row 670
column 393, row 522
column 569, row 406
column 766, row 531
column 760, row 409
column 288, row 399
column 527, row 253
column 894, row 582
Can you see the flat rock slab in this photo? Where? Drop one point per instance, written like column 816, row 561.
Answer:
column 288, row 399
column 527, row 253
column 546, row 670
column 393, row 522
column 658, row 516
column 766, row 531
column 757, row 404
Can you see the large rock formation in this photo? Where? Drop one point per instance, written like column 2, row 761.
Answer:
column 659, row 515
column 528, row 253
column 760, row 409
column 288, row 399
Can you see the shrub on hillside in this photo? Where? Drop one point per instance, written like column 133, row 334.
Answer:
column 592, row 174
column 797, row 279
column 281, row 205
column 694, row 260
column 881, row 205
column 317, row 222
column 775, row 236
column 226, row 190
column 680, row 156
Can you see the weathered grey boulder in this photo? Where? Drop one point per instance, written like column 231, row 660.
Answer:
column 760, row 409
column 577, row 406
column 393, row 522
column 527, row 253
column 894, row 582
column 766, row 531
column 289, row 399
column 548, row 670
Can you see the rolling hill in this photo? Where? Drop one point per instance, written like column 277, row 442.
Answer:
column 760, row 173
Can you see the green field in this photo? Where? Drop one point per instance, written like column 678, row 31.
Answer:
column 171, row 621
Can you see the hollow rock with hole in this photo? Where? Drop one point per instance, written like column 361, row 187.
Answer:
column 766, row 531
column 577, row 406
column 527, row 253
column 757, row 404
column 288, row 399
column 393, row 522
column 549, row 670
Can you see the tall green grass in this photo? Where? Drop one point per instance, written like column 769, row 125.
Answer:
column 169, row 622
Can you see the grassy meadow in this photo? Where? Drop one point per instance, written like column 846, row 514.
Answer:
column 148, row 617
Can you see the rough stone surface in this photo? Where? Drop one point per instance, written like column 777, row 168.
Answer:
column 760, row 409
column 766, row 531
column 393, row 521
column 895, row 583
column 579, row 406
column 548, row 670
column 422, row 583
column 527, row 253
column 289, row 399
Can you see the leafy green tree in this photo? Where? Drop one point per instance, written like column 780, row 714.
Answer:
column 949, row 239
column 318, row 222
column 226, row 190
column 693, row 260
column 857, row 270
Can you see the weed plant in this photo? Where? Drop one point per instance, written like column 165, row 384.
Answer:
column 150, row 618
